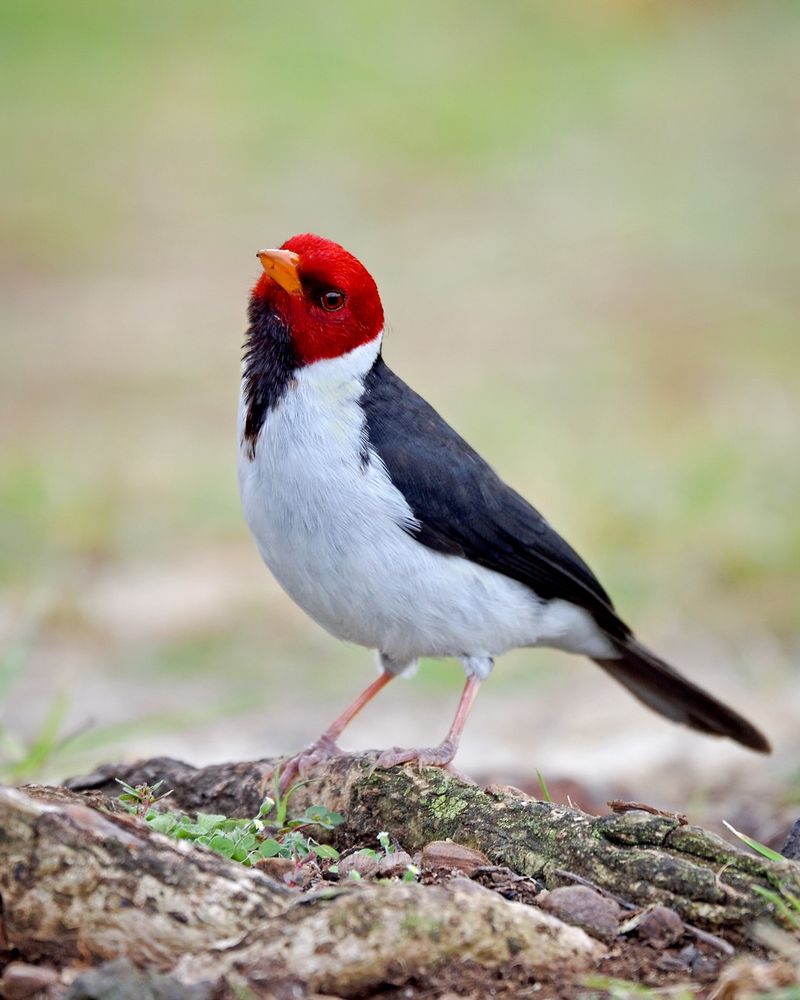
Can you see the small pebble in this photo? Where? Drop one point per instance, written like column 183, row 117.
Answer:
column 705, row 968
column 577, row 904
column 689, row 953
column 121, row 980
column 21, row 981
column 671, row 963
column 446, row 854
column 365, row 864
column 281, row 869
column 660, row 927
column 393, row 865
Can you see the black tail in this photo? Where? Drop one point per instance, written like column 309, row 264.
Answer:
column 662, row 688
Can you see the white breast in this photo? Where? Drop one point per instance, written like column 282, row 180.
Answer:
column 329, row 524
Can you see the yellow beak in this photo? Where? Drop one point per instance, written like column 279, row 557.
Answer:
column 281, row 266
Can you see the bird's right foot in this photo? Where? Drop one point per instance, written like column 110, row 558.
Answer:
column 440, row 756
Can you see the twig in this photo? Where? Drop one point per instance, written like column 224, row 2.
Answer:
column 621, row 806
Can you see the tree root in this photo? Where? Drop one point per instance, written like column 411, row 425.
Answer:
column 640, row 856
column 79, row 885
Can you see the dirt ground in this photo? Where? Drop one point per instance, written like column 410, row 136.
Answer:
column 651, row 952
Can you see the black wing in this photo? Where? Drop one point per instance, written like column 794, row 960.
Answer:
column 464, row 508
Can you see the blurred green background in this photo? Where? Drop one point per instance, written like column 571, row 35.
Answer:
column 583, row 218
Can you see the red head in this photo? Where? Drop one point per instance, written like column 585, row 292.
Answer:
column 327, row 298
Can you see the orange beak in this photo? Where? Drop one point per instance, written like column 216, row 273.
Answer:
column 281, row 266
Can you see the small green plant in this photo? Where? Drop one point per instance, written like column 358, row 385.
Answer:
column 754, row 845
column 546, row 796
column 140, row 799
column 785, row 902
column 270, row 834
column 22, row 759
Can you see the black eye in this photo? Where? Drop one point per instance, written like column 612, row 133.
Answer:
column 332, row 300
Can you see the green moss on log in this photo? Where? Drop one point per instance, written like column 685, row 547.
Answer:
column 641, row 857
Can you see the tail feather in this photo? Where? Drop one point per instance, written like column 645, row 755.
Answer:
column 663, row 689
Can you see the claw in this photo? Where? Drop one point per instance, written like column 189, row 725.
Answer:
column 300, row 765
column 440, row 756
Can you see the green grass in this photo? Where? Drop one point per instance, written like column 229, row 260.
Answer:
column 785, row 904
column 545, row 791
column 754, row 845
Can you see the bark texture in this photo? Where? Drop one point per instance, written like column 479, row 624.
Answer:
column 641, row 857
column 78, row 885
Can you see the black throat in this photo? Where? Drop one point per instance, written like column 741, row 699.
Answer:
column 269, row 366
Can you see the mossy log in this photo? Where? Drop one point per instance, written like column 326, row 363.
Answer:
column 637, row 856
column 80, row 886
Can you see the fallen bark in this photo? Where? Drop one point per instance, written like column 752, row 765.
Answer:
column 641, row 857
column 78, row 885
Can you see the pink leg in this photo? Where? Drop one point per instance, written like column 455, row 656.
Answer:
column 338, row 726
column 442, row 755
column 325, row 746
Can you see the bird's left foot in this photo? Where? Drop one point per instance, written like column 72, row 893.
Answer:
column 298, row 767
column 440, row 756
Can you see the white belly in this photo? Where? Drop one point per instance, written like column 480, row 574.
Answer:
column 329, row 524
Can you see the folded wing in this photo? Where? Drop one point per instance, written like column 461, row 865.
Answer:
column 462, row 506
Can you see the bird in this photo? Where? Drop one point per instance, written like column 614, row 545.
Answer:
column 390, row 531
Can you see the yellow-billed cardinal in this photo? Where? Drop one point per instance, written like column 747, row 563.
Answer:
column 389, row 530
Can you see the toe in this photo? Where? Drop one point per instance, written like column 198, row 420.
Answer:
column 301, row 765
column 395, row 756
column 438, row 756
column 423, row 756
